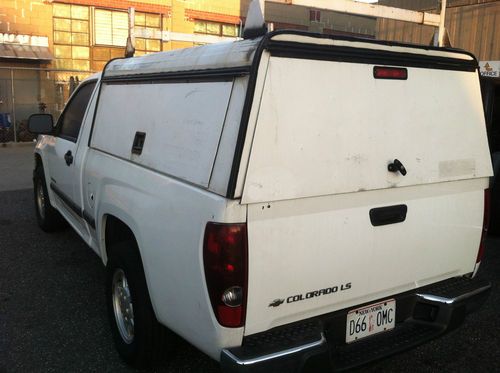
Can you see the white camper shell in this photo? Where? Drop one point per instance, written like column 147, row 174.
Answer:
column 348, row 174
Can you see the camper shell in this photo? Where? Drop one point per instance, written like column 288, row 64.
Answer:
column 242, row 61
column 280, row 188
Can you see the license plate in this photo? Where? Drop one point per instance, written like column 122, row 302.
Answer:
column 370, row 320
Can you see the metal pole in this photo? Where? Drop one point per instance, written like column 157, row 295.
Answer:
column 131, row 25
column 13, row 100
column 441, row 29
column 262, row 4
column 130, row 47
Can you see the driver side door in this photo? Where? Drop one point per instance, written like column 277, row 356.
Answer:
column 61, row 152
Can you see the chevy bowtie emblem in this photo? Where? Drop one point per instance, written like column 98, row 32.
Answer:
column 276, row 302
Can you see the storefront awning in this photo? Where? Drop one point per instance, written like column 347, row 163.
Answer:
column 25, row 52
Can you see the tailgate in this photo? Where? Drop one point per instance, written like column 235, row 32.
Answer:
column 325, row 134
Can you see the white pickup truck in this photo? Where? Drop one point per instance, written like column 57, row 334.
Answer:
column 279, row 202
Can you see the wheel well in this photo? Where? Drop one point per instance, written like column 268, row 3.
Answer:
column 116, row 231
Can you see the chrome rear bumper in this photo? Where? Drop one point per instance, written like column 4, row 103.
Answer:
column 319, row 343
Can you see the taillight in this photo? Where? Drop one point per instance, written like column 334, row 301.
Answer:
column 486, row 223
column 383, row 72
column 225, row 262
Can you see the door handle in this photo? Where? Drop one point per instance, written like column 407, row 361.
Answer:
column 397, row 166
column 138, row 144
column 388, row 215
column 68, row 157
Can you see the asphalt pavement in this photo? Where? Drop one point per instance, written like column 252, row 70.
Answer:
column 16, row 165
column 53, row 316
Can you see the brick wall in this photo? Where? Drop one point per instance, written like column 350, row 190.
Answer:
column 140, row 6
column 35, row 17
column 26, row 17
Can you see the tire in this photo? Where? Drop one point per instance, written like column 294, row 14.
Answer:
column 142, row 342
column 48, row 218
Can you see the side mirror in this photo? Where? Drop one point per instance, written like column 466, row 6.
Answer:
column 41, row 124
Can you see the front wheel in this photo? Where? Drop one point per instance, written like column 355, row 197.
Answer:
column 139, row 338
column 48, row 217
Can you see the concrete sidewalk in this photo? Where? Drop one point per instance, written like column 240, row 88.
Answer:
column 16, row 166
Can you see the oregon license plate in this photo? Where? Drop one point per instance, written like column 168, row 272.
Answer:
column 370, row 320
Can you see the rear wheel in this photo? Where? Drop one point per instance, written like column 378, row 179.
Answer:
column 139, row 338
column 48, row 218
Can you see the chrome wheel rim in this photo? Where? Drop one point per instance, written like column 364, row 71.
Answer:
column 40, row 200
column 122, row 306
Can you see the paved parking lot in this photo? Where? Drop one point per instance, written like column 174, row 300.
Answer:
column 16, row 164
column 52, row 314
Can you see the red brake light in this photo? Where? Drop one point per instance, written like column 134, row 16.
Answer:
column 486, row 223
column 225, row 262
column 382, row 72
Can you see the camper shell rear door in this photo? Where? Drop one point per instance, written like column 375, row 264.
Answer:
column 326, row 132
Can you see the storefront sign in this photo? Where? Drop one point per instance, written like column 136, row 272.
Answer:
column 34, row 41
column 490, row 68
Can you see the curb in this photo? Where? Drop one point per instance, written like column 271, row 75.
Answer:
column 16, row 144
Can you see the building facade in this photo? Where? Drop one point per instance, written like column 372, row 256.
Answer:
column 48, row 46
column 472, row 25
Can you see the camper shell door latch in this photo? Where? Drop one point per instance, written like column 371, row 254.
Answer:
column 397, row 166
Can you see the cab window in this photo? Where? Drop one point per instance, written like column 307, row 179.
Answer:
column 72, row 117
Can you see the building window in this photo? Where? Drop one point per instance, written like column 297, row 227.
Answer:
column 314, row 15
column 71, row 36
column 147, row 20
column 111, row 27
column 230, row 30
column 216, row 28
column 101, row 55
column 147, row 32
column 144, row 46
